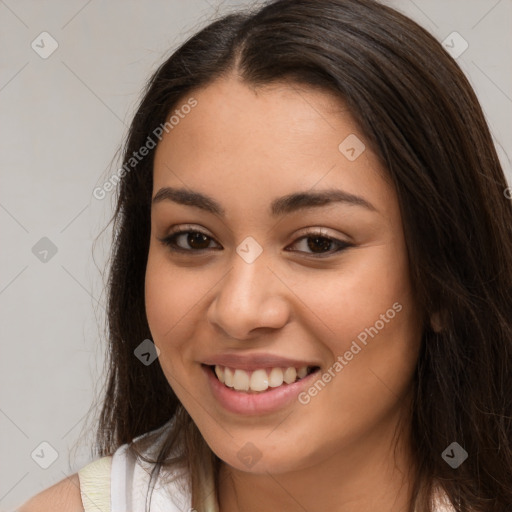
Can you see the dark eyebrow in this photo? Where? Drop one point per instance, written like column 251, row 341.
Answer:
column 281, row 206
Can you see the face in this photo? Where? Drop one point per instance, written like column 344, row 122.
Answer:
column 266, row 285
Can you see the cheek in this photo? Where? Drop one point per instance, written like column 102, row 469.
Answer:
column 160, row 297
column 378, row 331
column 170, row 296
column 367, row 316
column 346, row 301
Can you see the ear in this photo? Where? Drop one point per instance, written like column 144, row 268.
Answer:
column 436, row 322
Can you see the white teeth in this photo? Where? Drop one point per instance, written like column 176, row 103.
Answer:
column 275, row 378
column 241, row 380
column 220, row 373
column 302, row 372
column 228, row 377
column 290, row 375
column 259, row 380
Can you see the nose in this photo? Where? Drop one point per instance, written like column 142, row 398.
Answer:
column 250, row 298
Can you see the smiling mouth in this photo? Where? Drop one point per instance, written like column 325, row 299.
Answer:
column 262, row 380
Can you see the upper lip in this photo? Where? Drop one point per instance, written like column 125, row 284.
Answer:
column 256, row 361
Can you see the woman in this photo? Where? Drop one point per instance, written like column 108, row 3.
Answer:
column 310, row 286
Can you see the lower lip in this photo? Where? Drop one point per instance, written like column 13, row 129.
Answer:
column 256, row 403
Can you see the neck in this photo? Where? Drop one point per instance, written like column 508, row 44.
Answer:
column 365, row 476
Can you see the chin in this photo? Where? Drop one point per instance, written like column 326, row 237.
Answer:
column 263, row 458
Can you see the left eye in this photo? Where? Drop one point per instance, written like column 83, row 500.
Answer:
column 318, row 243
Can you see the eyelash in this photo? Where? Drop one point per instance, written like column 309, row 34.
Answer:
column 170, row 242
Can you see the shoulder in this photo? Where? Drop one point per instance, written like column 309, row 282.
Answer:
column 64, row 496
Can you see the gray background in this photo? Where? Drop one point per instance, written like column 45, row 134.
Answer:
column 63, row 119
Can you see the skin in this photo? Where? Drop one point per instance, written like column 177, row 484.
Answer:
column 245, row 148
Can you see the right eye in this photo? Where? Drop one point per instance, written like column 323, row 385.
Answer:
column 196, row 241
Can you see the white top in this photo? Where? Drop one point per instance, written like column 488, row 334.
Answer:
column 120, row 483
column 130, row 485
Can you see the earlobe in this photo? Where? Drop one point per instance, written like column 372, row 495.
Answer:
column 436, row 322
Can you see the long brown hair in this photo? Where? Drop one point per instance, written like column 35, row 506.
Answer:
column 421, row 117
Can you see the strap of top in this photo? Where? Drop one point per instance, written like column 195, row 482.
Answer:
column 95, row 485
column 130, row 480
column 122, row 480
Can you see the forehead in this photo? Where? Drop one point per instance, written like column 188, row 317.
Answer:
column 238, row 141
column 271, row 114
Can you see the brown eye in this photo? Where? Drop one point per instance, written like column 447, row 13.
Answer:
column 197, row 240
column 187, row 241
column 321, row 245
column 319, row 242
